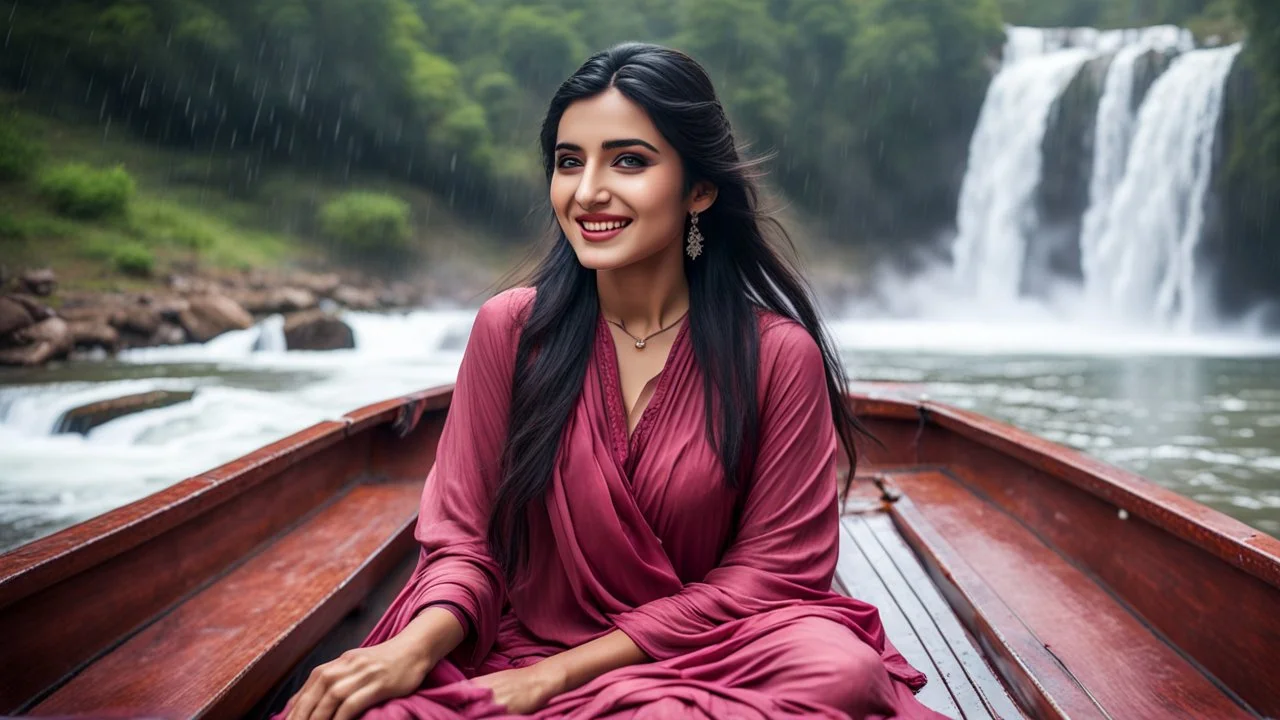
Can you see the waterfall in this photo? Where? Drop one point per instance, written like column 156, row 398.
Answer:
column 1113, row 132
column 997, row 213
column 1147, row 184
column 1142, row 263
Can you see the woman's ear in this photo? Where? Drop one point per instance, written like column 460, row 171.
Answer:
column 702, row 196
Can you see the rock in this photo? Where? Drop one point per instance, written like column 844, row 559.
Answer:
column 139, row 319
column 88, row 333
column 54, row 330
column 37, row 309
column 276, row 300
column 37, row 344
column 168, row 334
column 211, row 315
column 322, row 284
column 28, row 355
column 355, row 298
column 317, row 330
column 87, row 417
column 399, row 294
column 170, row 307
column 40, row 282
column 186, row 285
column 13, row 315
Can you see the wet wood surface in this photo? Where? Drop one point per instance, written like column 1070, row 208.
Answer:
column 876, row 566
column 1021, row 576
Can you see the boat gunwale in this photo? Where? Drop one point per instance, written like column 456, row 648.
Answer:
column 41, row 563
column 45, row 561
column 1226, row 538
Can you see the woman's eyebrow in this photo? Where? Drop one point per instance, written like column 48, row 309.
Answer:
column 610, row 145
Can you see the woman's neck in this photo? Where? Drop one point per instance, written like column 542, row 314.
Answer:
column 645, row 296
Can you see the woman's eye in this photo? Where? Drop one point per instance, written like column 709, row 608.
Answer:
column 632, row 161
column 566, row 162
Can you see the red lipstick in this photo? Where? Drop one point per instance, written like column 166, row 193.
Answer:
column 606, row 226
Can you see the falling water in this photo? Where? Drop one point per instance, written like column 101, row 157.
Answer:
column 1143, row 264
column 1113, row 131
column 997, row 210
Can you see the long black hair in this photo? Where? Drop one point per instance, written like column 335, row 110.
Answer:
column 737, row 273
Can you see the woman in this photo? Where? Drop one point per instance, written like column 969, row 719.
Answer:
column 633, row 507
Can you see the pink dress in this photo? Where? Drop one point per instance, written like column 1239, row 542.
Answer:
column 638, row 536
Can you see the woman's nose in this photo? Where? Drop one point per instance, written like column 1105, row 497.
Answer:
column 591, row 191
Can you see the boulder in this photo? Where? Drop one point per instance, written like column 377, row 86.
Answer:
column 40, row 282
column 275, row 300
column 13, row 315
column 140, row 319
column 169, row 307
column 322, row 284
column 37, row 309
column 87, row 417
column 88, row 333
column 168, row 334
column 398, row 295
column 355, row 298
column 317, row 330
column 211, row 315
column 38, row 344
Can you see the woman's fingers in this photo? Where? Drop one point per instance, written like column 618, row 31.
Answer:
column 356, row 703
column 342, row 686
column 313, row 691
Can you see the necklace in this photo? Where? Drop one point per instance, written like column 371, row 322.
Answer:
column 640, row 341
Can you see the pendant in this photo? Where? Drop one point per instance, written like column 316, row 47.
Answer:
column 639, row 344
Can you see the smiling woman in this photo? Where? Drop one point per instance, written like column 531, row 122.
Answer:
column 633, row 507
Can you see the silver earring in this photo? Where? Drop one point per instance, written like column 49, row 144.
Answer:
column 694, row 248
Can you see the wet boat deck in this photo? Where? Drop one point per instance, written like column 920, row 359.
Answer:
column 990, row 611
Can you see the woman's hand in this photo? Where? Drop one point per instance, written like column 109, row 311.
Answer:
column 527, row 689
column 357, row 680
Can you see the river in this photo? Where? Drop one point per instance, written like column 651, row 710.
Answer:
column 1200, row 415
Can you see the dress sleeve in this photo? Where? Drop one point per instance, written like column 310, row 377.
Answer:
column 455, row 568
column 786, row 546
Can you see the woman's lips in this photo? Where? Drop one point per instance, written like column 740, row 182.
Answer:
column 604, row 229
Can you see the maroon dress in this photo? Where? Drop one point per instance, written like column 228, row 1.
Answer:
column 637, row 535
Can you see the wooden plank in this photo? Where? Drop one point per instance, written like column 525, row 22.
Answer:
column 55, row 629
column 1205, row 582
column 859, row 579
column 269, row 613
column 1125, row 669
column 982, row 694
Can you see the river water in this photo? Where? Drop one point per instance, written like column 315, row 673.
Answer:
column 1200, row 415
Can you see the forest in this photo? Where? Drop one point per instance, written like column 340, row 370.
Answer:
column 866, row 106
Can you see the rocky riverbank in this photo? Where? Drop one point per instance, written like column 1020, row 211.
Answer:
column 39, row 323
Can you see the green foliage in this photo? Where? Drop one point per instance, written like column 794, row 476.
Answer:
column 20, row 152
column 1262, row 17
column 133, row 259
column 82, row 191
column 11, row 228
column 539, row 46
column 169, row 225
column 366, row 222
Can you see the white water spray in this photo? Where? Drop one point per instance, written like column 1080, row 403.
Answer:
column 1142, row 264
column 997, row 214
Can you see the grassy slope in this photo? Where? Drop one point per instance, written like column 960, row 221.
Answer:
column 188, row 200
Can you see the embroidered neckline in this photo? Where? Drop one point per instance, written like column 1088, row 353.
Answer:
column 626, row 447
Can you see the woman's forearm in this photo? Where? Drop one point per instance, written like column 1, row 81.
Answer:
column 432, row 635
column 590, row 660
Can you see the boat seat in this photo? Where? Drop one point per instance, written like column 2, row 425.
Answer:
column 1053, row 629
column 273, row 608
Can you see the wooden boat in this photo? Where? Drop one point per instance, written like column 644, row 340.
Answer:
column 1026, row 579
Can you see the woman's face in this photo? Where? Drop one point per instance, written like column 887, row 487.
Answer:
column 617, row 184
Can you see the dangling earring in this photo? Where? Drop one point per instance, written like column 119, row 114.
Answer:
column 694, row 248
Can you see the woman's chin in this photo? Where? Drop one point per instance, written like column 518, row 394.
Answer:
column 602, row 256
